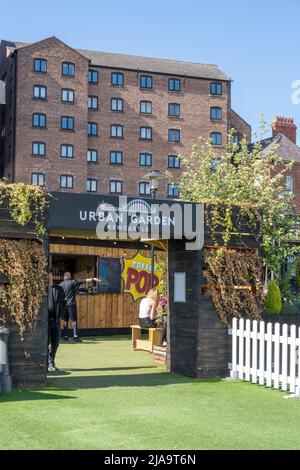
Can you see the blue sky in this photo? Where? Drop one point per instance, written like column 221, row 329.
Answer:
column 255, row 42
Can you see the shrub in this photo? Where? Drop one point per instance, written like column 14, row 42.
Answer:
column 273, row 303
column 297, row 272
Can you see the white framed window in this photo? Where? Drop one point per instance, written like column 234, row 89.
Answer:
column 67, row 95
column 115, row 186
column 91, row 185
column 93, row 102
column 117, row 104
column 144, row 188
column 38, row 179
column 289, row 183
column 92, row 155
column 39, row 92
column 66, row 151
column 39, row 149
column 67, row 181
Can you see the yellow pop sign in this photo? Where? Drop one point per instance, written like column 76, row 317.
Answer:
column 136, row 275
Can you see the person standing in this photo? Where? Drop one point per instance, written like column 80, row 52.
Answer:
column 70, row 287
column 55, row 313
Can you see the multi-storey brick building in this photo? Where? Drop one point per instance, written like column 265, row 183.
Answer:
column 78, row 120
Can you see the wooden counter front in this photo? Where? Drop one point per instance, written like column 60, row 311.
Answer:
column 106, row 311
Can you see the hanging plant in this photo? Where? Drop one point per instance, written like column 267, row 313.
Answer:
column 26, row 204
column 234, row 283
column 23, row 262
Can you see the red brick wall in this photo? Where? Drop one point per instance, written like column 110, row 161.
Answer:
column 52, row 165
column 194, row 98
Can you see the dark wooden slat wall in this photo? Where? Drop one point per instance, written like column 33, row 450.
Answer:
column 27, row 358
column 199, row 344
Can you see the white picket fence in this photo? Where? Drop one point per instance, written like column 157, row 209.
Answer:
column 266, row 353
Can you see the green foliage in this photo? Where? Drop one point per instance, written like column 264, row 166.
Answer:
column 26, row 203
column 251, row 178
column 285, row 284
column 297, row 271
column 273, row 303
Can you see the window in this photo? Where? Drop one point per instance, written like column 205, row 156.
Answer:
column 40, row 65
column 39, row 120
column 91, row 185
column 67, row 95
column 92, row 155
column 216, row 88
column 93, row 76
column 173, row 161
column 115, row 186
column 66, row 151
column 174, row 109
column 235, row 138
column 145, row 159
column 174, row 84
column 39, row 149
column 68, row 69
column 174, row 135
column 117, row 79
column 39, row 92
column 67, row 181
column 146, row 107
column 216, row 138
column 38, row 179
column 289, row 183
column 146, row 133
column 93, row 102
column 116, row 158
column 116, row 104
column 144, row 188
column 92, row 128
column 145, row 81
column 116, row 131
column 216, row 113
column 67, row 123
column 173, row 190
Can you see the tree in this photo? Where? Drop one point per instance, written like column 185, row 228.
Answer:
column 244, row 176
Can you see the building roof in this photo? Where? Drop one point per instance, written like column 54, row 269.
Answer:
column 145, row 64
column 287, row 150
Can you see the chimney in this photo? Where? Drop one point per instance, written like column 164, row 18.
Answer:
column 285, row 126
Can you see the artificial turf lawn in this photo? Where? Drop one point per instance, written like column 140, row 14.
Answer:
column 108, row 397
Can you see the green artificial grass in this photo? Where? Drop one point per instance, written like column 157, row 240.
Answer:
column 109, row 397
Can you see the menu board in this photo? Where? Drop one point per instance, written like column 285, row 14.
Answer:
column 109, row 273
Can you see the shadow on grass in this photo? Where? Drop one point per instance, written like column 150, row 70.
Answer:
column 68, row 370
column 30, row 395
column 134, row 380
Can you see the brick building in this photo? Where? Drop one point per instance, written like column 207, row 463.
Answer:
column 78, row 120
column 284, row 137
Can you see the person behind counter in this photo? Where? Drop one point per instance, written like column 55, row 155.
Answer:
column 70, row 287
column 55, row 313
column 147, row 312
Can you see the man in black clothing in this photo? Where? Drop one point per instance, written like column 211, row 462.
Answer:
column 70, row 287
column 55, row 313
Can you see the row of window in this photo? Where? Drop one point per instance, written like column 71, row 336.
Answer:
column 117, row 78
column 115, row 186
column 116, row 130
column 117, row 104
column 115, row 158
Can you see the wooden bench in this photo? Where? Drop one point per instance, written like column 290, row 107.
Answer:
column 154, row 338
